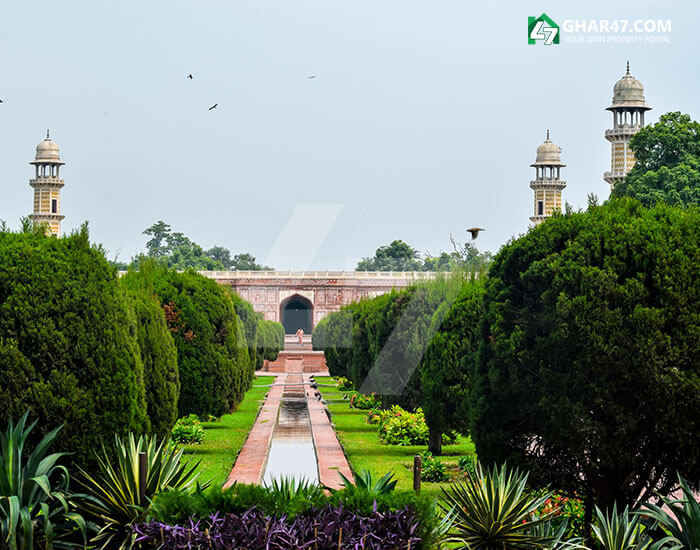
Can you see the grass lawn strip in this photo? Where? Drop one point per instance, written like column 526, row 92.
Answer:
column 225, row 437
column 364, row 450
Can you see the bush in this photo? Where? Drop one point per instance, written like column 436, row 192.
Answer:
column 67, row 341
column 432, row 469
column 269, row 340
column 159, row 356
column 344, row 384
column 204, row 325
column 467, row 464
column 364, row 402
column 187, row 430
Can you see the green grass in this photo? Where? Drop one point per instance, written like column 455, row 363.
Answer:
column 365, row 451
column 225, row 437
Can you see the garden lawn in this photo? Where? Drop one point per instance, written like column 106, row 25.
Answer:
column 365, row 451
column 225, row 437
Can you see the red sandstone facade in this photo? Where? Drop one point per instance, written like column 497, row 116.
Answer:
column 325, row 291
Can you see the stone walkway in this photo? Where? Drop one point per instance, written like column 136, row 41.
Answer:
column 252, row 460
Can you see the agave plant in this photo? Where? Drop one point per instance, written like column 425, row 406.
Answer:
column 36, row 507
column 363, row 480
column 682, row 525
column 620, row 531
column 115, row 504
column 493, row 510
column 290, row 487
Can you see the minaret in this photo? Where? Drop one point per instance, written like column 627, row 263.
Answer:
column 628, row 107
column 47, row 186
column 547, row 185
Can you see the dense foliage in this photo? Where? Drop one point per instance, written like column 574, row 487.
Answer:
column 187, row 431
column 159, row 356
column 269, row 340
column 667, row 166
column 179, row 252
column 448, row 360
column 588, row 372
column 68, row 341
column 399, row 256
column 329, row 528
column 214, row 371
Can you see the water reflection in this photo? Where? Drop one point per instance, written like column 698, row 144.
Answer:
column 292, row 452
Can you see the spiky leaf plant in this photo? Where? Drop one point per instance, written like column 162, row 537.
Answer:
column 681, row 522
column 619, row 531
column 363, row 480
column 494, row 511
column 116, row 489
column 36, row 507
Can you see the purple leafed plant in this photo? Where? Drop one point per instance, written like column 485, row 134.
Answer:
column 318, row 529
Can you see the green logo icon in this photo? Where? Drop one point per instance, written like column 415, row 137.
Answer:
column 542, row 28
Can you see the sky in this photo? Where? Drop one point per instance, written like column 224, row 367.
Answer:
column 421, row 121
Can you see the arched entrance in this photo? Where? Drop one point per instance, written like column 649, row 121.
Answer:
column 295, row 314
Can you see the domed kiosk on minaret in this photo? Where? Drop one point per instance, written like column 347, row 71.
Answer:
column 547, row 184
column 628, row 108
column 47, row 186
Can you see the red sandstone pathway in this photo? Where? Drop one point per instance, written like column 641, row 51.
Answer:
column 331, row 458
column 251, row 462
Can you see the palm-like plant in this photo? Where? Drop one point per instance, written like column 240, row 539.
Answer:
column 115, row 504
column 290, row 487
column 493, row 511
column 620, row 531
column 363, row 480
column 683, row 523
column 35, row 503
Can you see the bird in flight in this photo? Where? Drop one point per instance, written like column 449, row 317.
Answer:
column 1, row 101
column 475, row 231
column 213, row 106
column 311, row 76
column 190, row 76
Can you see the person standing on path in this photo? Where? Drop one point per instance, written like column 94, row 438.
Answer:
column 300, row 335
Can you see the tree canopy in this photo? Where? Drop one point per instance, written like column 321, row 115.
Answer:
column 667, row 164
column 399, row 256
column 588, row 372
column 177, row 251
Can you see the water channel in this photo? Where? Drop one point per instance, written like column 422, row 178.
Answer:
column 292, row 452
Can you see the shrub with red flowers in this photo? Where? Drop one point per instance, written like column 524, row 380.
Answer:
column 562, row 507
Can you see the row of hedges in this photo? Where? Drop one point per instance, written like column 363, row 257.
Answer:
column 105, row 356
column 577, row 357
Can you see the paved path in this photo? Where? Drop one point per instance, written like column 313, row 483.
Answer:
column 250, row 464
column 331, row 458
column 252, row 460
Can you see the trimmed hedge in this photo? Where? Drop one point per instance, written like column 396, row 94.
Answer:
column 159, row 356
column 68, row 341
column 214, row 373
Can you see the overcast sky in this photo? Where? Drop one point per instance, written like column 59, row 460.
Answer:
column 422, row 120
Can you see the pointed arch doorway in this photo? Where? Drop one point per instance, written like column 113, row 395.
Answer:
column 296, row 312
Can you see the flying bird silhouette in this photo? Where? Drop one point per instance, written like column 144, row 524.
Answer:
column 213, row 106
column 1, row 101
column 311, row 76
column 475, row 231
column 190, row 76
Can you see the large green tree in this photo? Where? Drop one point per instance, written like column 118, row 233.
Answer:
column 667, row 164
column 397, row 256
column 588, row 371
column 68, row 341
column 448, row 360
